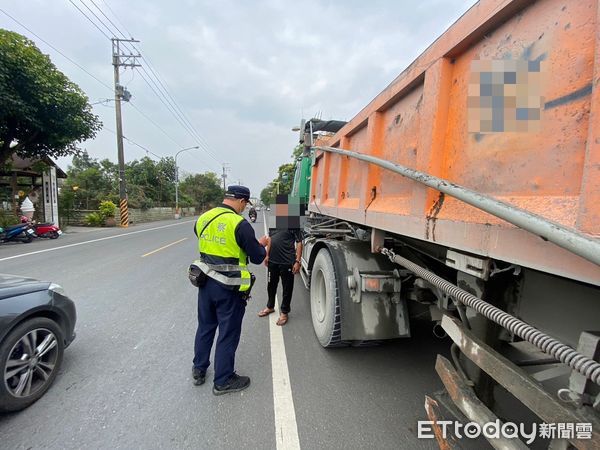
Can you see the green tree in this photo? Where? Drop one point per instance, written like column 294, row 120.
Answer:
column 267, row 195
column 138, row 197
column 201, row 190
column 297, row 152
column 151, row 183
column 282, row 184
column 42, row 113
column 142, row 183
column 89, row 182
column 286, row 177
column 110, row 173
column 165, row 171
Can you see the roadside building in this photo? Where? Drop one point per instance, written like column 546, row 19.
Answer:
column 33, row 178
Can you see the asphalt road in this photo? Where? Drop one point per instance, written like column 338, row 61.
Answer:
column 126, row 379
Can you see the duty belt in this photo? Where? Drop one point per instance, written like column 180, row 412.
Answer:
column 214, row 271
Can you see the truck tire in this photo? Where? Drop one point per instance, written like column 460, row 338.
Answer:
column 325, row 301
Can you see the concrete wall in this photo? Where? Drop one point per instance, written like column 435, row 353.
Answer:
column 135, row 215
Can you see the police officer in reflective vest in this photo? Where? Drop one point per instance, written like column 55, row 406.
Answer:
column 226, row 241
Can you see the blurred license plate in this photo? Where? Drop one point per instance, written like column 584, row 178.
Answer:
column 59, row 232
column 29, row 231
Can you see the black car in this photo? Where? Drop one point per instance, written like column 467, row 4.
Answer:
column 37, row 323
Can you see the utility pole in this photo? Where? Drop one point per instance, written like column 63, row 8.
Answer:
column 224, row 176
column 120, row 59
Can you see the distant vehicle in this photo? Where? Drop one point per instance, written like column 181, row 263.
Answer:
column 37, row 323
column 252, row 215
column 268, row 209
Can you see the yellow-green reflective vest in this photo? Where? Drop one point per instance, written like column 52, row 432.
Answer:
column 221, row 258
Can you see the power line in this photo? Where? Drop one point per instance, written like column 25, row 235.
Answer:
column 103, row 102
column 58, row 51
column 186, row 119
column 149, row 119
column 153, row 90
column 116, row 17
column 176, row 109
column 96, row 16
column 108, row 28
column 111, row 31
column 125, row 44
column 142, row 147
column 171, row 105
column 154, row 123
column 190, row 127
column 91, row 75
column 206, row 163
column 131, row 141
column 161, row 98
column 91, row 21
column 107, row 18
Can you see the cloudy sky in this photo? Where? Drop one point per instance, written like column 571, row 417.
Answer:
column 238, row 74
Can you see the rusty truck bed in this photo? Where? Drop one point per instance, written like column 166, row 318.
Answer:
column 421, row 120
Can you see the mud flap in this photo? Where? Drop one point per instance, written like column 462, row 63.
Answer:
column 377, row 315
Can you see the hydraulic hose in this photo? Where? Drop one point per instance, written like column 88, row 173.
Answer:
column 562, row 352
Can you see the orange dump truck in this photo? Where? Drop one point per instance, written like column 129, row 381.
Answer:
column 468, row 193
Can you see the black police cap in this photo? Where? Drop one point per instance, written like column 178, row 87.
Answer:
column 238, row 192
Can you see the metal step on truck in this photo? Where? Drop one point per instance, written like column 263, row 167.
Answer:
column 467, row 193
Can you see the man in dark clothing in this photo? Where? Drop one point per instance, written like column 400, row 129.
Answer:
column 225, row 241
column 283, row 260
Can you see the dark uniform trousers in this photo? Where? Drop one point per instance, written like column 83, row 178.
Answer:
column 217, row 304
column 283, row 271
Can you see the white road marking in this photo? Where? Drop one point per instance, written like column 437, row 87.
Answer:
column 286, row 428
column 92, row 241
column 163, row 247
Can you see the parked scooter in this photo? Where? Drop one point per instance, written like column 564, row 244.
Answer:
column 18, row 233
column 47, row 230
column 43, row 230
